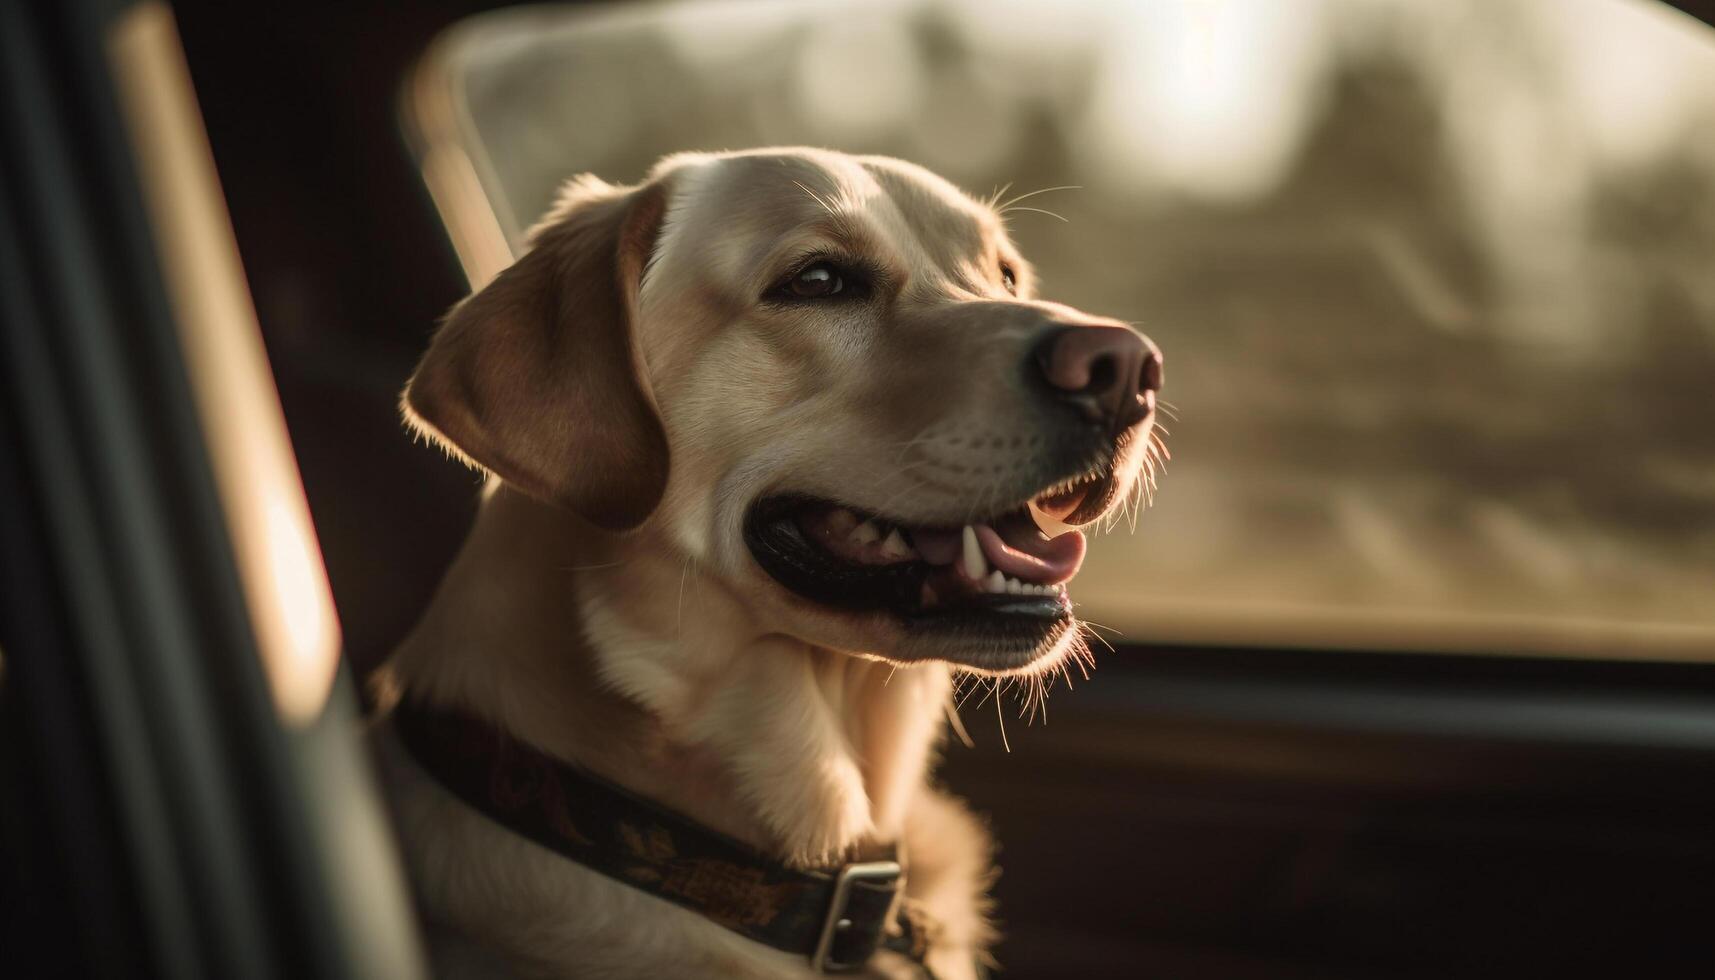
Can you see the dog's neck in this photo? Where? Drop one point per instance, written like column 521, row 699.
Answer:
column 615, row 653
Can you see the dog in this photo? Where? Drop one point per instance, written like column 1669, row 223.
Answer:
column 777, row 443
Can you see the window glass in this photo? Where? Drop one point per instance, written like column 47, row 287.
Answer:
column 1435, row 281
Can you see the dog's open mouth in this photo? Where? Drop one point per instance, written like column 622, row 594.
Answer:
column 1007, row 571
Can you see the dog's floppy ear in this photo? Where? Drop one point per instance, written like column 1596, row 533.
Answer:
column 538, row 377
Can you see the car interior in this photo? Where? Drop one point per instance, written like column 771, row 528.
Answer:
column 1408, row 658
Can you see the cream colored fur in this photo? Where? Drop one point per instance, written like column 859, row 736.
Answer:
column 651, row 649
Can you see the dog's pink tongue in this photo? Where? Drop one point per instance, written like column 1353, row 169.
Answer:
column 1021, row 550
column 1017, row 547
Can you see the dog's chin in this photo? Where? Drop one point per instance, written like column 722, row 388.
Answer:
column 904, row 591
column 990, row 646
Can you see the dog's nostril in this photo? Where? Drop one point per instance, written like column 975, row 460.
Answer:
column 1152, row 371
column 1103, row 373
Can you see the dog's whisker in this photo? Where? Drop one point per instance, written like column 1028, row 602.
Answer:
column 926, row 434
column 1051, row 214
column 919, row 484
column 1084, row 637
column 815, row 197
column 987, row 499
column 970, row 689
column 684, row 576
column 591, row 568
column 1084, row 655
column 1083, row 668
column 912, row 443
column 1093, row 627
column 905, row 469
column 1046, row 190
column 1035, row 699
column 1161, row 444
column 958, row 724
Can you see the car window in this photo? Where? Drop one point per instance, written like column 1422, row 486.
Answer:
column 1433, row 280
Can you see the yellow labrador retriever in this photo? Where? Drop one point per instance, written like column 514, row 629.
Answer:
column 779, row 441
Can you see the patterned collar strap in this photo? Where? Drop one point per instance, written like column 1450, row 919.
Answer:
column 837, row 918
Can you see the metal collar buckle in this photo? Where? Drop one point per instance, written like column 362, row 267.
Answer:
column 836, row 921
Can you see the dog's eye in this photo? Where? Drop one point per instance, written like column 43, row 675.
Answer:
column 815, row 281
column 1008, row 279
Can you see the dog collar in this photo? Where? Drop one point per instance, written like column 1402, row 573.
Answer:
column 835, row 917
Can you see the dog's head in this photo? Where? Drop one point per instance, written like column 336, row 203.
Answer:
column 826, row 380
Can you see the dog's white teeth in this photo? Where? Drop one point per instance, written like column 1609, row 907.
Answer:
column 996, row 583
column 894, row 546
column 865, row 533
column 1014, row 586
column 974, row 565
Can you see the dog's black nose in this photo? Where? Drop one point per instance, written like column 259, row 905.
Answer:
column 1108, row 373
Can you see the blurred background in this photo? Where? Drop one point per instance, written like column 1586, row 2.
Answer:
column 1412, row 670
column 1435, row 278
